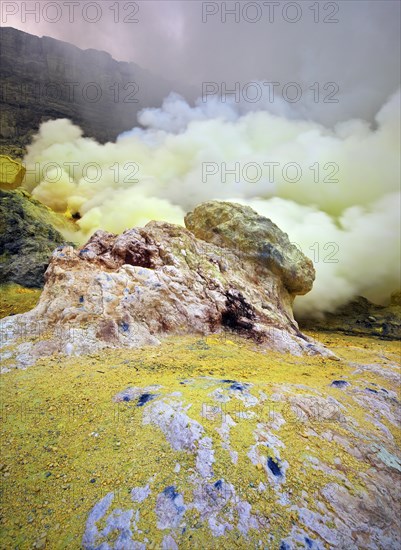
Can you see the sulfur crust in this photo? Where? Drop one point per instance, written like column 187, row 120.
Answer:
column 50, row 411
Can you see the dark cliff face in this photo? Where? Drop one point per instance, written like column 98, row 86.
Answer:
column 44, row 78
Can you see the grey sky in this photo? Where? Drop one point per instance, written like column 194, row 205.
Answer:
column 360, row 52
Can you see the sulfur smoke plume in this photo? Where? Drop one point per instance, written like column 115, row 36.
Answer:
column 334, row 191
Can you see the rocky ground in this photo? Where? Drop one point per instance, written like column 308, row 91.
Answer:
column 204, row 443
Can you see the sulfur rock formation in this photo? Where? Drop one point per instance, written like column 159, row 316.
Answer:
column 230, row 268
column 11, row 173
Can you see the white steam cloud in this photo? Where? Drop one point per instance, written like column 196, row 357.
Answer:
column 335, row 192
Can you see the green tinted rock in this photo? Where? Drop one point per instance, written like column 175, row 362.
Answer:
column 11, row 173
column 29, row 232
column 238, row 227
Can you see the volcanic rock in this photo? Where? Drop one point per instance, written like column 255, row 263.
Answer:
column 29, row 233
column 361, row 317
column 131, row 289
column 257, row 238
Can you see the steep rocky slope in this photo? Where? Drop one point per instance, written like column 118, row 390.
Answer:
column 44, row 78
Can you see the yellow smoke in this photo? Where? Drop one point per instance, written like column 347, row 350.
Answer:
column 343, row 211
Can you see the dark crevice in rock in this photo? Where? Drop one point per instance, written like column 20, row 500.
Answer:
column 170, row 492
column 139, row 257
column 238, row 386
column 218, row 484
column 145, row 398
column 339, row 383
column 238, row 315
column 274, row 467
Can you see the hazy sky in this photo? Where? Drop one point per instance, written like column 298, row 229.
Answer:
column 355, row 44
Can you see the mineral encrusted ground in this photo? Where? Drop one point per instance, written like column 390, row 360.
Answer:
column 204, row 443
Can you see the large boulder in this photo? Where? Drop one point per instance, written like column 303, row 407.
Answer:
column 29, row 233
column 238, row 227
column 131, row 289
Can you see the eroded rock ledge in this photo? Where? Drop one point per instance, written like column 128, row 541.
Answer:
column 230, row 269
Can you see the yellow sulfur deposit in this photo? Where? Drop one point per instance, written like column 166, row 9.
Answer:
column 17, row 299
column 11, row 173
column 67, row 442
